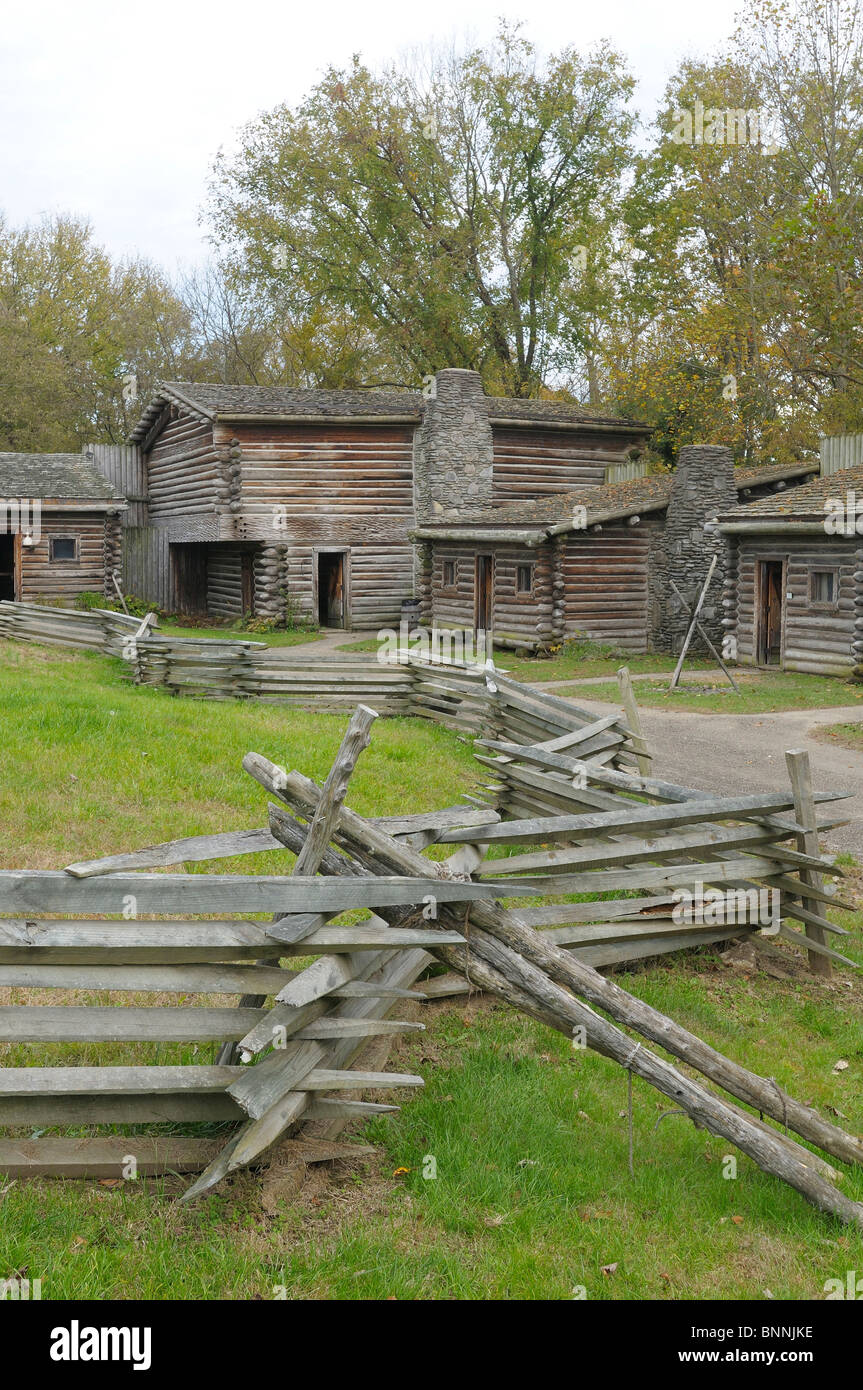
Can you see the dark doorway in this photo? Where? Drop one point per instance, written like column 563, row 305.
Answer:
column 769, row 631
column 247, row 579
column 189, row 576
column 331, row 588
column 484, row 591
column 7, row 567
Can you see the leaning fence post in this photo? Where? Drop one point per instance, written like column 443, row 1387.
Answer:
column 633, row 716
column 797, row 760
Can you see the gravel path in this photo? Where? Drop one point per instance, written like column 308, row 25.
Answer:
column 739, row 753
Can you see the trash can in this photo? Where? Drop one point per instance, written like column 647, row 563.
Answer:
column 411, row 613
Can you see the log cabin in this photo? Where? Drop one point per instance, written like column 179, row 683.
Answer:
column 298, row 505
column 60, row 534
column 595, row 562
column 794, row 577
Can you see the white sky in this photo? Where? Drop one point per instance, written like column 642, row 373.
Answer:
column 115, row 111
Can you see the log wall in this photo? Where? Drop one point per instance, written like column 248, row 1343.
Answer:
column 42, row 577
column 184, row 472
column 339, row 484
column 815, row 638
column 378, row 578
column 530, row 462
column 224, row 581
column 605, row 576
column 518, row 619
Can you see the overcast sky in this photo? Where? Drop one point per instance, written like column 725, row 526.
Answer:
column 115, row 111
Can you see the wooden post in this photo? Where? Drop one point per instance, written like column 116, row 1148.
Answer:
column 633, row 718
column 797, row 760
column 695, row 616
column 119, row 591
column 357, row 737
column 704, row 637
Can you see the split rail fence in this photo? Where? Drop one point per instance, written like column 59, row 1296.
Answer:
column 604, row 856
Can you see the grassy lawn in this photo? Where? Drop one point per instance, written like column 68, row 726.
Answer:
column 289, row 637
column 760, row 693
column 95, row 765
column 849, row 735
column 581, row 660
column 573, row 661
column 532, row 1194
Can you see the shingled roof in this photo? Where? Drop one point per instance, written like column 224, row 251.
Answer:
column 211, row 401
column 54, row 477
column 610, row 502
column 805, row 503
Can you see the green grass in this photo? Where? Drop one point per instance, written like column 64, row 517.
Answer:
column 849, row 735
column 94, row 765
column 760, row 693
column 288, row 637
column 572, row 661
column 581, row 660
column 532, row 1194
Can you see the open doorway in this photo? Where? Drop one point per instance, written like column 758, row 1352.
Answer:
column 332, row 608
column 484, row 591
column 771, row 583
column 7, row 567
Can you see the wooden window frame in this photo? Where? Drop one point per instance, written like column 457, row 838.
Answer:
column 64, row 559
column 445, row 583
column 823, row 605
column 528, row 593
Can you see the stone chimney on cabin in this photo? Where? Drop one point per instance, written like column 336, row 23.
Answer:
column 703, row 484
column 453, row 452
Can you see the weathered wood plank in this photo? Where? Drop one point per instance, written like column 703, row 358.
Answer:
column 31, row 1081
column 636, row 820
column 327, row 1079
column 103, row 1158
column 167, row 979
column 93, row 1023
column 39, row 890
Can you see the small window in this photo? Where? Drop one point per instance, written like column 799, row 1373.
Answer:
column 823, row 586
column 449, row 574
column 63, row 548
column 524, row 579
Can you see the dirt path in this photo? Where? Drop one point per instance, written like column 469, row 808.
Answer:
column 739, row 753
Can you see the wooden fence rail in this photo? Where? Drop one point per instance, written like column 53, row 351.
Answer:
column 469, row 699
column 617, row 865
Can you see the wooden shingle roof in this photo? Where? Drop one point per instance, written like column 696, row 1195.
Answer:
column 805, row 503
column 609, row 502
column 54, row 477
column 211, row 401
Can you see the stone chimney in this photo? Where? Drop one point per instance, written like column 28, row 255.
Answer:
column 703, row 484
column 453, row 450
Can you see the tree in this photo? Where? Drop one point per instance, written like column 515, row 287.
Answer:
column 81, row 338
column 441, row 212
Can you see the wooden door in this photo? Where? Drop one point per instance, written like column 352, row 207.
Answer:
column 484, row 590
column 9, row 566
column 771, row 585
